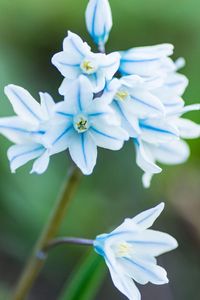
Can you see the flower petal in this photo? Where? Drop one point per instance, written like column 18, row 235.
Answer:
column 158, row 131
column 148, row 217
column 15, row 129
column 146, row 104
column 188, row 129
column 152, row 242
column 109, row 137
column 24, row 105
column 80, row 95
column 66, row 67
column 173, row 153
column 144, row 61
column 123, row 282
column 19, row 155
column 47, row 105
column 144, row 271
column 110, row 64
column 83, row 151
column 74, row 44
column 40, row 165
column 145, row 159
column 57, row 139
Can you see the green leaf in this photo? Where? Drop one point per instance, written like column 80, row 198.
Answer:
column 86, row 279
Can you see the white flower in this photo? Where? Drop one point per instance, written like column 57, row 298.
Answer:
column 171, row 151
column 77, row 58
column 86, row 123
column 146, row 61
column 133, row 100
column 28, row 129
column 99, row 20
column 130, row 252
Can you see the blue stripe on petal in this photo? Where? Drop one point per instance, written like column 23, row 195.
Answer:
column 68, row 65
column 93, row 22
column 26, row 152
column 149, row 127
column 24, row 103
column 145, row 103
column 83, row 147
column 64, row 114
column 22, row 130
column 74, row 45
column 62, row 134
column 123, row 60
column 104, row 134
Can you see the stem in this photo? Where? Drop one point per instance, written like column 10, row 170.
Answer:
column 36, row 262
column 101, row 47
column 66, row 240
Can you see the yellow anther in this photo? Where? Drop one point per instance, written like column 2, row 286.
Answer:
column 123, row 249
column 81, row 123
column 121, row 95
column 88, row 67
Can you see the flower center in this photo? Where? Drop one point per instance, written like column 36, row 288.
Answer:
column 121, row 95
column 123, row 249
column 81, row 123
column 88, row 67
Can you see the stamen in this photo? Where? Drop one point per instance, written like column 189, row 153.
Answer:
column 88, row 67
column 123, row 249
column 81, row 123
column 121, row 95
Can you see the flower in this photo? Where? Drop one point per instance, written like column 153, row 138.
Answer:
column 84, row 124
column 173, row 152
column 27, row 129
column 77, row 58
column 133, row 101
column 99, row 20
column 146, row 61
column 130, row 252
column 150, row 108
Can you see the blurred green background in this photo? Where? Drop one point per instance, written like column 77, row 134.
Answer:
column 30, row 33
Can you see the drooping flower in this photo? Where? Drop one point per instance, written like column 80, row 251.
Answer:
column 77, row 58
column 99, row 21
column 27, row 129
column 86, row 123
column 130, row 252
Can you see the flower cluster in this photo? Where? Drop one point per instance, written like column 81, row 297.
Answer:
column 107, row 99
column 130, row 252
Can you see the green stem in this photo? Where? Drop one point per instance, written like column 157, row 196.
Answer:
column 36, row 261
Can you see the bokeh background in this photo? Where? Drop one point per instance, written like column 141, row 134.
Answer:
column 30, row 33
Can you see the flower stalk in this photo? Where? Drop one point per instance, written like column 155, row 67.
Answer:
column 36, row 261
column 65, row 240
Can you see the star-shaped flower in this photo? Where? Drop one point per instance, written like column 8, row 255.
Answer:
column 77, row 58
column 27, row 129
column 86, row 123
column 130, row 252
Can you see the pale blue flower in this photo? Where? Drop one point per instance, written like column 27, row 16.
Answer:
column 146, row 61
column 77, row 58
column 172, row 88
column 86, row 123
column 99, row 21
column 27, row 129
column 171, row 151
column 130, row 252
column 134, row 100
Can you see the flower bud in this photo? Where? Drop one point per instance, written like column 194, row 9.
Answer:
column 99, row 20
